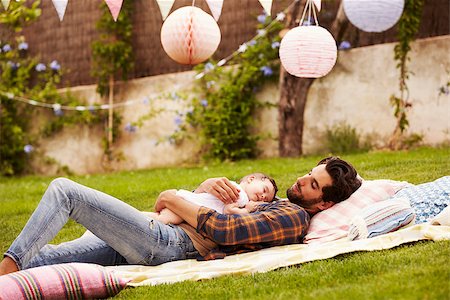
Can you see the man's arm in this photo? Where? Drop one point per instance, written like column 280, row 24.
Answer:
column 186, row 210
column 221, row 188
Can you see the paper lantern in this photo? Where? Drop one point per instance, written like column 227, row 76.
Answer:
column 373, row 15
column 308, row 51
column 189, row 35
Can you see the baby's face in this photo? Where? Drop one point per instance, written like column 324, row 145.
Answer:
column 259, row 189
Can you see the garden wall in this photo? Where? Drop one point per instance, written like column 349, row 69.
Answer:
column 356, row 92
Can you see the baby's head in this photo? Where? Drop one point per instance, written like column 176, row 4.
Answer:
column 259, row 187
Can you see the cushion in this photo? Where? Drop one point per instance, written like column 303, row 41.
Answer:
column 62, row 281
column 334, row 223
column 380, row 218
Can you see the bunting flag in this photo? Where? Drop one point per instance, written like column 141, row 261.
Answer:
column 60, row 6
column 216, row 8
column 114, row 7
column 6, row 4
column 267, row 5
column 165, row 6
column 318, row 4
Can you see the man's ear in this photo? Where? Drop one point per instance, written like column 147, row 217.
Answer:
column 325, row 205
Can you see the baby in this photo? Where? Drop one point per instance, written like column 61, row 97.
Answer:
column 255, row 187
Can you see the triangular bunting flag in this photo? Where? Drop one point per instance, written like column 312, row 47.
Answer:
column 164, row 7
column 216, row 8
column 267, row 5
column 60, row 6
column 114, row 7
column 318, row 4
column 6, row 4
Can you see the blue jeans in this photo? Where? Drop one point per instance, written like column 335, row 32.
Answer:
column 120, row 234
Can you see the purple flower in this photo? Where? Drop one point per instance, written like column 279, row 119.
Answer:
column 262, row 18
column 28, row 149
column 40, row 67
column 14, row 66
column 267, row 71
column 261, row 32
column 7, row 48
column 275, row 45
column 209, row 66
column 204, row 102
column 55, row 66
column 23, row 46
column 209, row 84
column 130, row 128
column 146, row 100
column 58, row 112
column 91, row 108
column 178, row 120
column 252, row 43
column 344, row 45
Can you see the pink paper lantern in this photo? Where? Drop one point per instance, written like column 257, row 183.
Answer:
column 308, row 51
column 189, row 35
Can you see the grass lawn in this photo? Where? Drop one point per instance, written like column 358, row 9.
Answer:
column 414, row 271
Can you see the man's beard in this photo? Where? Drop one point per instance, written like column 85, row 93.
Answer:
column 297, row 198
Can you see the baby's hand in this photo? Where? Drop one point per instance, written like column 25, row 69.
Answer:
column 251, row 205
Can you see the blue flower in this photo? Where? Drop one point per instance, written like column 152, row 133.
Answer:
column 209, row 66
column 40, row 67
column 267, row 71
column 7, row 48
column 23, row 46
column 178, row 120
column 262, row 18
column 261, row 32
column 275, row 45
column 130, row 128
column 55, row 66
column 58, row 112
column 28, row 149
column 204, row 102
column 14, row 66
column 344, row 45
column 252, row 43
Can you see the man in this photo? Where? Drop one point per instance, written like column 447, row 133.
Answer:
column 123, row 235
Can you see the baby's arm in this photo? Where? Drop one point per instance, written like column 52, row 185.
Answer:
column 233, row 208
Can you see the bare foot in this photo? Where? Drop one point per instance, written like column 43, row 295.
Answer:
column 7, row 265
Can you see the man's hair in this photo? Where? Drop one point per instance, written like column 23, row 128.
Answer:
column 263, row 176
column 344, row 177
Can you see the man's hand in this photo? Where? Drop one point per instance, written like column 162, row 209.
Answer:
column 220, row 187
column 163, row 197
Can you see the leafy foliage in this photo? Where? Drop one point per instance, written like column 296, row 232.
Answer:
column 223, row 115
column 343, row 139
column 25, row 76
column 408, row 26
column 113, row 52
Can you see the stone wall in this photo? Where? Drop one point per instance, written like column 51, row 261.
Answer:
column 356, row 92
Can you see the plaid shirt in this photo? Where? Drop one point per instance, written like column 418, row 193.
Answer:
column 272, row 224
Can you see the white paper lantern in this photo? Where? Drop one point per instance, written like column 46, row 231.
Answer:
column 373, row 15
column 189, row 35
column 308, row 51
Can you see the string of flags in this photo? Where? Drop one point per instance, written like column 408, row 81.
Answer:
column 164, row 6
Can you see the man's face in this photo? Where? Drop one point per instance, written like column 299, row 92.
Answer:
column 307, row 190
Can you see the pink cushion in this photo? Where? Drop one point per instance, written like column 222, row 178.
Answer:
column 63, row 281
column 333, row 223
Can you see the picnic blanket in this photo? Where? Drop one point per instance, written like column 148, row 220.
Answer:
column 273, row 258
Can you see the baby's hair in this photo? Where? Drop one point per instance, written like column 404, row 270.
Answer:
column 263, row 176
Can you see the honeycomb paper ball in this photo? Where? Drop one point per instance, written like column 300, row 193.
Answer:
column 308, row 51
column 189, row 35
column 373, row 15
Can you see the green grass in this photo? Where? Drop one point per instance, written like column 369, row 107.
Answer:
column 414, row 271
